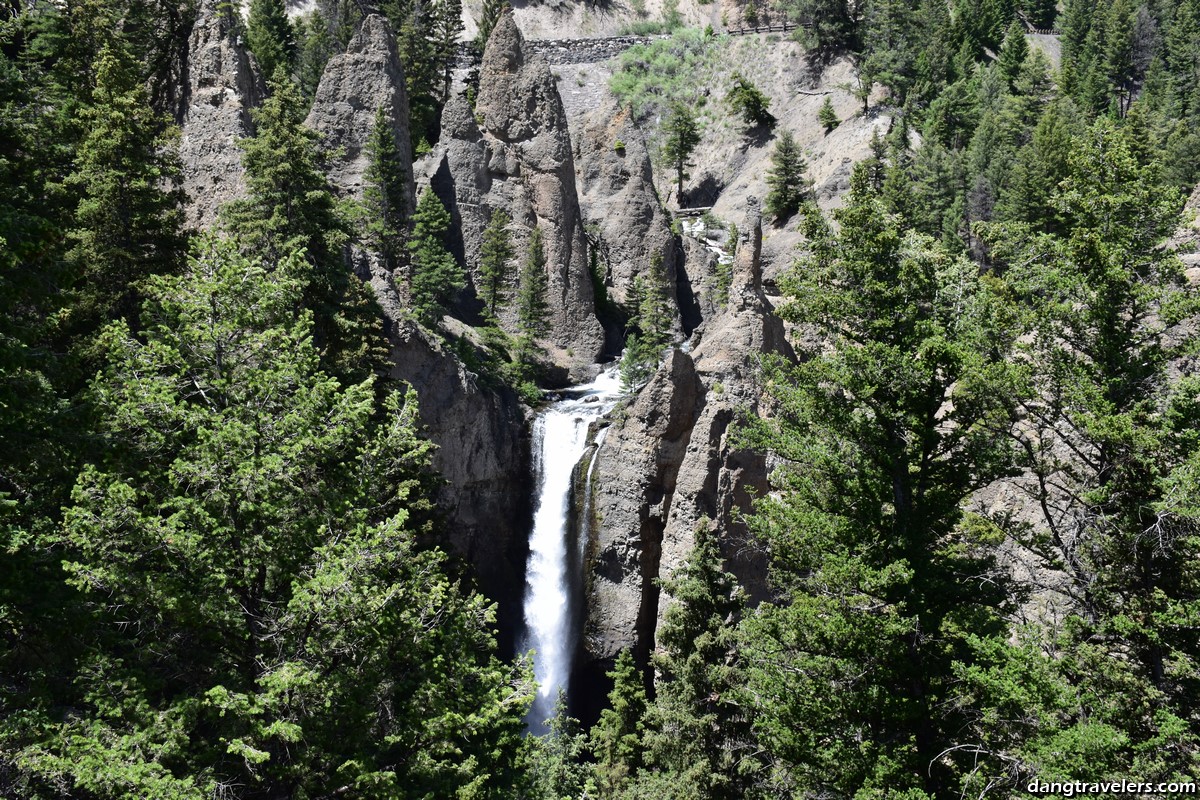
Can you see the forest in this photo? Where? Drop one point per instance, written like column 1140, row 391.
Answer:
column 226, row 568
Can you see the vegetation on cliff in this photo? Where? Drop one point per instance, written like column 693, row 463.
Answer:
column 221, row 571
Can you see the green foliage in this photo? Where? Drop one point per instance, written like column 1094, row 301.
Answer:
column 649, row 328
column 616, row 738
column 827, row 116
column 748, row 101
column 271, row 38
column 895, row 414
column 290, row 207
column 1013, row 53
column 386, row 194
column 434, row 275
column 258, row 524
column 786, row 185
column 681, row 135
column 495, row 258
column 650, row 77
column 126, row 224
column 313, row 51
column 556, row 764
column 697, row 730
column 1103, row 307
column 533, row 308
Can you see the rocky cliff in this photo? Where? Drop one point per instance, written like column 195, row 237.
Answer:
column 222, row 86
column 621, row 208
column 354, row 87
column 480, row 432
column 670, row 464
column 513, row 153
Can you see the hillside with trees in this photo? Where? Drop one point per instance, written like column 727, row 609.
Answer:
column 915, row 514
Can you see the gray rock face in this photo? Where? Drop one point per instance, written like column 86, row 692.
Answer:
column 619, row 202
column 223, row 85
column 483, row 454
column 354, row 86
column 518, row 158
column 669, row 465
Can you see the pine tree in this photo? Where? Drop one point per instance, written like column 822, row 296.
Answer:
column 827, row 116
column 748, row 101
column 126, row 224
column 697, row 738
column 413, row 22
column 313, row 52
column 271, row 38
column 247, row 544
column 291, row 207
column 616, row 739
column 447, row 27
column 1108, row 433
column 650, row 323
column 434, row 274
column 888, row 588
column 385, row 193
column 556, row 765
column 532, row 304
column 1013, row 53
column 786, row 184
column 681, row 134
column 495, row 257
column 1041, row 14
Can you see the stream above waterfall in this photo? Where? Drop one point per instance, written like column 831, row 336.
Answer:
column 560, row 439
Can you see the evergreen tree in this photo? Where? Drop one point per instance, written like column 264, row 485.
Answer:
column 413, row 22
column 697, row 738
column 434, row 275
column 681, row 134
column 748, row 101
column 1041, row 14
column 126, row 224
column 616, row 738
column 495, row 257
column 786, row 184
column 447, row 27
column 894, row 416
column 313, row 51
column 385, row 193
column 1107, row 433
column 271, row 38
column 1013, row 53
column 532, row 305
column 290, row 207
column 650, row 323
column 248, row 546
column 827, row 116
column 890, row 43
column 556, row 767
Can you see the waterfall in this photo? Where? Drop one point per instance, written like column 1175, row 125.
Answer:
column 559, row 441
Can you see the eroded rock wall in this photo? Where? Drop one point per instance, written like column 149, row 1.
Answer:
column 355, row 86
column 670, row 463
column 223, row 85
column 513, row 152
column 622, row 209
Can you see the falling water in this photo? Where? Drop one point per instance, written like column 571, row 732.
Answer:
column 559, row 441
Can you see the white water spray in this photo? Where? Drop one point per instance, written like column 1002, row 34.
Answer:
column 559, row 441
